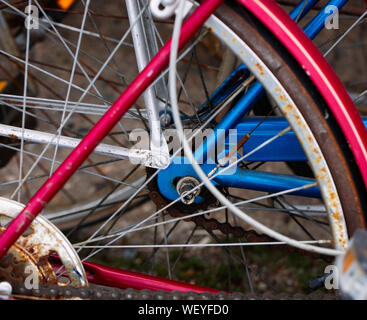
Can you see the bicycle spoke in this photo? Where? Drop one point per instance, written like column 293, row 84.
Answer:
column 346, row 33
column 70, row 83
column 137, row 227
column 201, row 245
column 25, row 86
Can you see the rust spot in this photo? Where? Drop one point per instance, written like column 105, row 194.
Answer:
column 28, row 215
column 288, row 107
column 260, row 68
column 323, row 170
column 334, row 204
column 43, row 261
column 13, row 136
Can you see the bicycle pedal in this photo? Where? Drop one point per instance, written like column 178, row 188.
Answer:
column 318, row 282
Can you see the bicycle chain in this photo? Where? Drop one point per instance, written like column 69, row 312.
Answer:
column 14, row 274
column 179, row 210
column 57, row 292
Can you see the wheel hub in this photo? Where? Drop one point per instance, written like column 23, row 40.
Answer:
column 184, row 187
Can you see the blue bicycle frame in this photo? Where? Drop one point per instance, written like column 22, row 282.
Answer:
column 285, row 148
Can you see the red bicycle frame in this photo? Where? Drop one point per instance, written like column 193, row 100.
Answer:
column 292, row 37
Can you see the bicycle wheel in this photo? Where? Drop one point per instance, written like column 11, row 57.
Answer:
column 198, row 70
column 355, row 219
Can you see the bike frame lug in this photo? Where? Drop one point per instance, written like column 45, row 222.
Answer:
column 165, row 9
